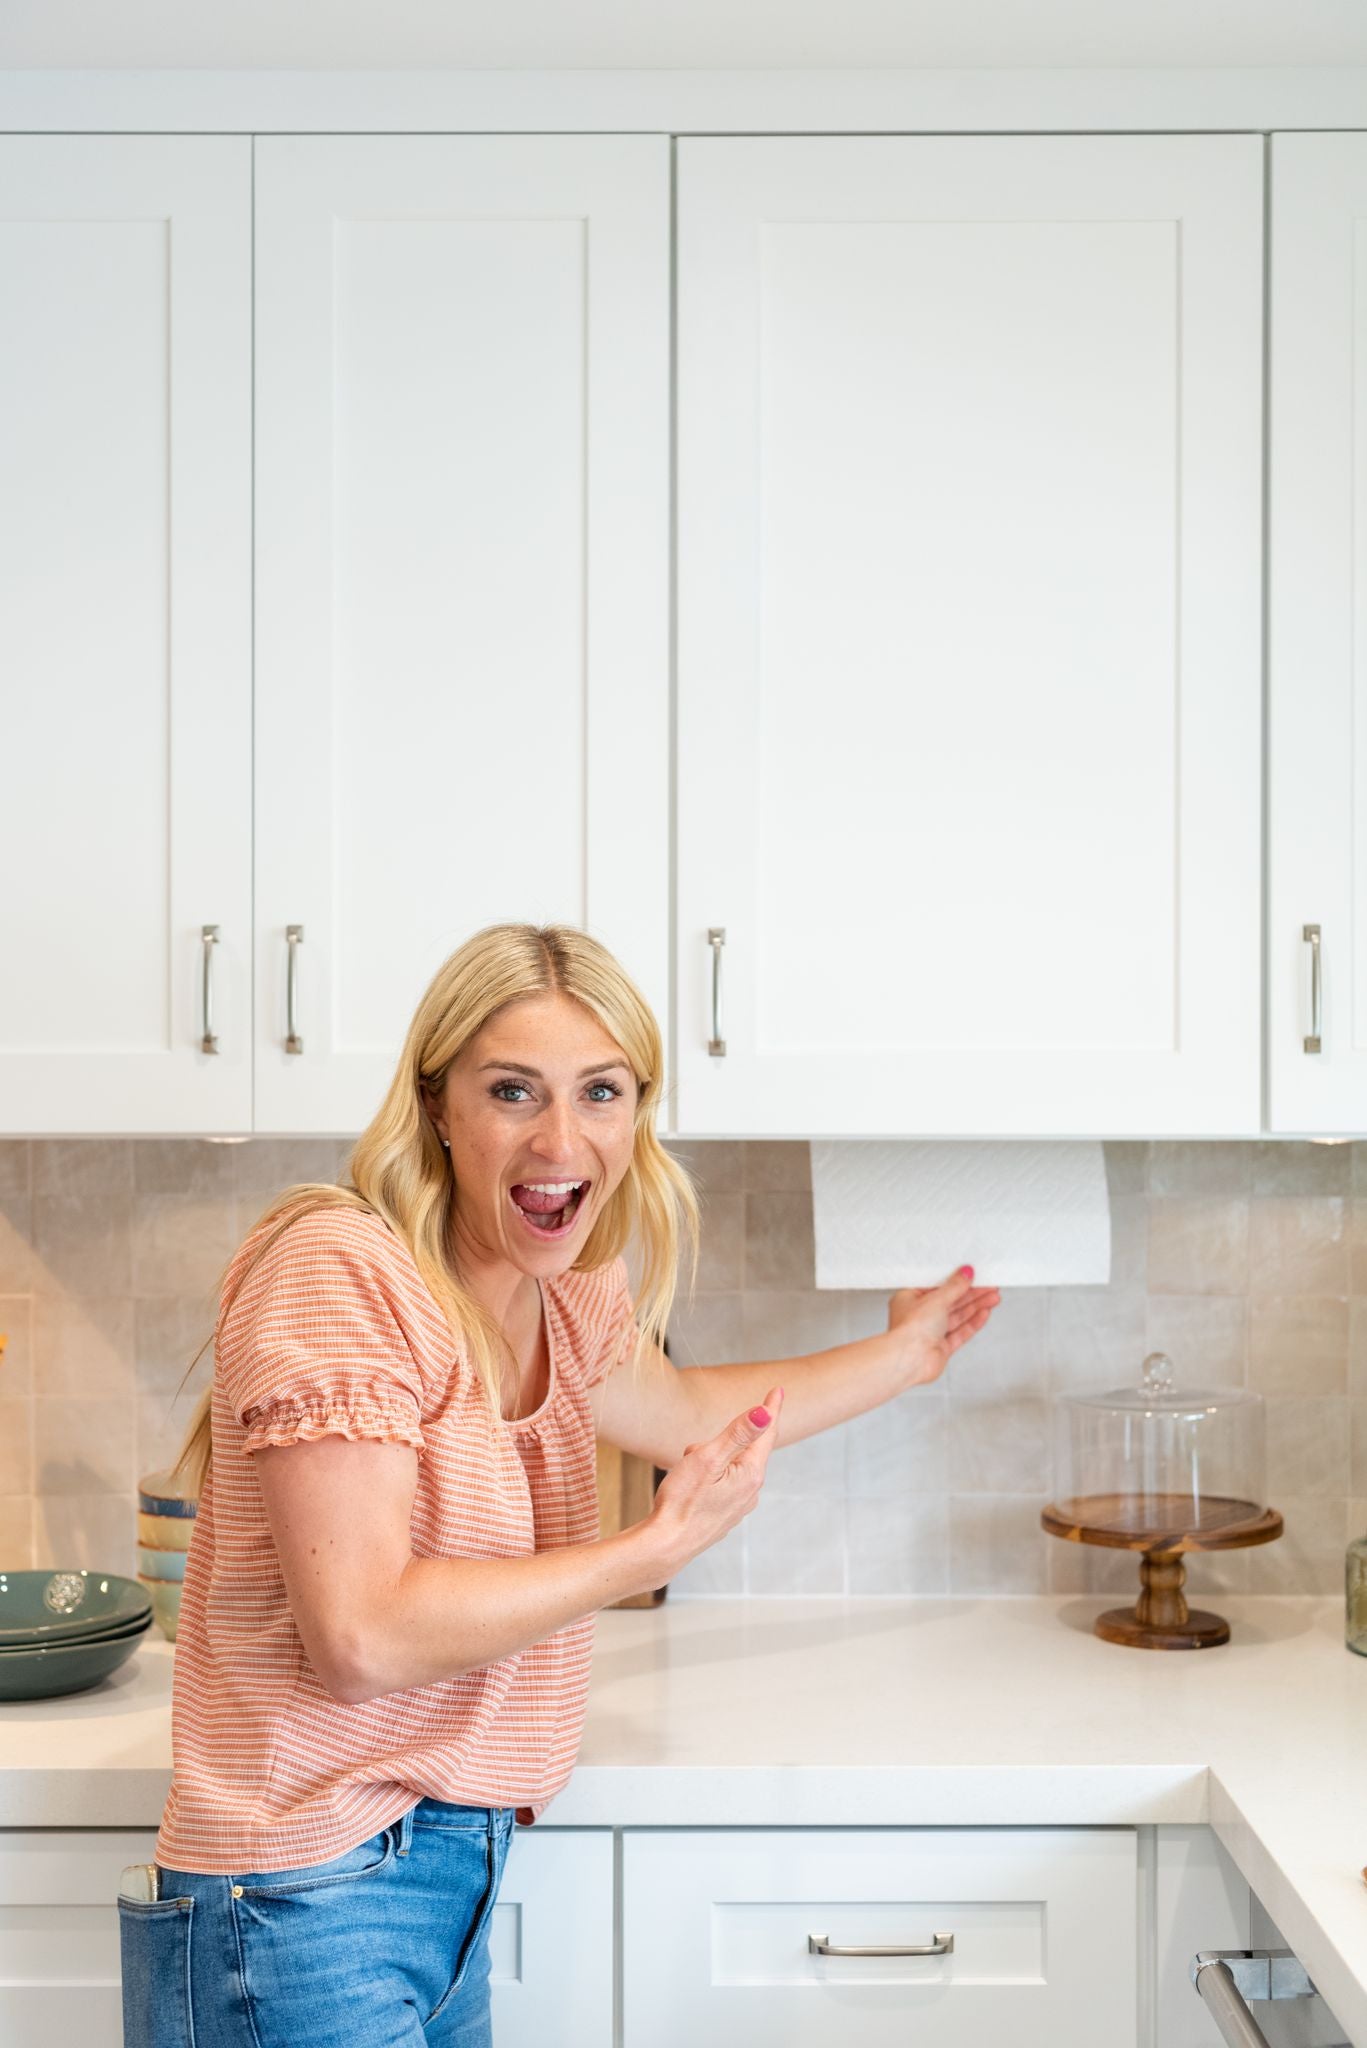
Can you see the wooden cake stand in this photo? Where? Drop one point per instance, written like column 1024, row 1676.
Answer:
column 1162, row 1527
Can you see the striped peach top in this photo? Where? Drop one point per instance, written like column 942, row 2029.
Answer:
column 334, row 1332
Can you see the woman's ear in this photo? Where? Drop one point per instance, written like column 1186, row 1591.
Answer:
column 435, row 1114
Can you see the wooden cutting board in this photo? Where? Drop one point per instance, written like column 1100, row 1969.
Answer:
column 626, row 1489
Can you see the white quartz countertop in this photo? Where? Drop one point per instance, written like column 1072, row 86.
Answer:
column 880, row 1712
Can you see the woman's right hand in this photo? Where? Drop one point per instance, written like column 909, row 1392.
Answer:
column 715, row 1483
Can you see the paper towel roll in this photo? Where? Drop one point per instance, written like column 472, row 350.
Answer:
column 906, row 1213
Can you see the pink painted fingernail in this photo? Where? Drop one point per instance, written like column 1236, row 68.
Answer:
column 761, row 1417
column 968, row 1270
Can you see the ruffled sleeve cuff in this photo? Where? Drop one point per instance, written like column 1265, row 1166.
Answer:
column 389, row 1417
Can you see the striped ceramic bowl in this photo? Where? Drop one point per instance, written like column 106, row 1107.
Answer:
column 166, row 1522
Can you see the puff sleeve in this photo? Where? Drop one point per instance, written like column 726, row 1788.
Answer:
column 312, row 1344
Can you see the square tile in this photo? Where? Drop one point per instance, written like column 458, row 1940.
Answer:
column 899, row 1547
column 1199, row 1246
column 1299, row 1245
column 779, row 1248
column 996, row 1544
column 898, row 1448
column 1298, row 1344
column 795, row 1546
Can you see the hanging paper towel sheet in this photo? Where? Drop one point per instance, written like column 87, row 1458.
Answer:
column 906, row 1213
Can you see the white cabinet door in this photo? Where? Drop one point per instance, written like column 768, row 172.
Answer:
column 717, row 1927
column 551, row 1940
column 1317, row 732
column 969, row 560
column 125, row 632
column 462, row 651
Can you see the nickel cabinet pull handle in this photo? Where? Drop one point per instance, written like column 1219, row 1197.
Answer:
column 716, row 939
column 293, row 1042
column 209, row 936
column 938, row 1945
column 1311, row 935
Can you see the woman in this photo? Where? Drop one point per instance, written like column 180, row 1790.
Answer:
column 385, row 1629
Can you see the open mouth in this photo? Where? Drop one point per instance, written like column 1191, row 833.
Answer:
column 548, row 1208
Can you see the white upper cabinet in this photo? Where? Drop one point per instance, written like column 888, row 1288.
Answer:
column 462, row 577
column 125, row 633
column 969, row 655
column 1317, row 648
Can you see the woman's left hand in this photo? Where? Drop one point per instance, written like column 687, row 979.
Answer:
column 934, row 1321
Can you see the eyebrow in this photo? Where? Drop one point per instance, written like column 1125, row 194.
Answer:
column 535, row 1074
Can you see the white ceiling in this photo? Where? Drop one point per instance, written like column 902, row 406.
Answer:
column 675, row 34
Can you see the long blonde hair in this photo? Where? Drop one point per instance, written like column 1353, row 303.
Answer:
column 398, row 1169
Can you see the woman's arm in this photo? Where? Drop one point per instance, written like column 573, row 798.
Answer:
column 374, row 1619
column 655, row 1414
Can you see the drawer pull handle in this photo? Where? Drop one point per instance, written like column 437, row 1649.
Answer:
column 938, row 1945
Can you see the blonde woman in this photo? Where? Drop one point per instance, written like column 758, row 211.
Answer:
column 385, row 1629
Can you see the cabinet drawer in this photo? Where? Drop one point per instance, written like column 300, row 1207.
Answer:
column 717, row 1926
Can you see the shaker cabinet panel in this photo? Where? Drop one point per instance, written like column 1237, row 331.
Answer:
column 551, row 1940
column 462, row 589
column 718, row 1927
column 1317, row 651
column 969, row 559
column 125, row 633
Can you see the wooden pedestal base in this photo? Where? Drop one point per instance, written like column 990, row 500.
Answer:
column 1160, row 1619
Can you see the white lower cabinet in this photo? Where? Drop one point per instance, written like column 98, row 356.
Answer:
column 718, row 1926
column 550, row 1938
column 551, row 1941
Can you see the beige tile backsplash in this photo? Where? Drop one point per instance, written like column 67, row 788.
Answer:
column 1248, row 1262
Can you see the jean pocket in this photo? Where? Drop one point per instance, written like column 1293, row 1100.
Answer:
column 154, row 1959
column 365, row 1860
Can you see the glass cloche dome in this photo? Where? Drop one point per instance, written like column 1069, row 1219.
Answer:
column 1158, row 1459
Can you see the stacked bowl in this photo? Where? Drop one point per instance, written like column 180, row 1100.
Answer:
column 65, row 1631
column 166, row 1522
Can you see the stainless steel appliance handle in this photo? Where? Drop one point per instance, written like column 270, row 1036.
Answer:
column 716, row 939
column 209, row 936
column 938, row 1945
column 1221, row 1994
column 293, row 1042
column 1225, row 1977
column 1310, row 933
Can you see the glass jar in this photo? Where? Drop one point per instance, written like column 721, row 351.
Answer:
column 1355, row 1576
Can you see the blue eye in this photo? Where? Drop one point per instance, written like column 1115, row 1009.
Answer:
column 494, row 1091
column 611, row 1086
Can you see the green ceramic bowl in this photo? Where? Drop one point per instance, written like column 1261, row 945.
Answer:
column 65, row 1606
column 59, row 1668
column 94, row 1635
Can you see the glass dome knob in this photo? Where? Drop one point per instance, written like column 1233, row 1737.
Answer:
column 1158, row 1372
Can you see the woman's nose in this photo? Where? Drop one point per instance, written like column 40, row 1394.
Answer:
column 556, row 1130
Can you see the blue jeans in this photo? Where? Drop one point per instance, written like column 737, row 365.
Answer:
column 385, row 1946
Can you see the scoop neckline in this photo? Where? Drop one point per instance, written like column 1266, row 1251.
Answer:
column 552, row 1368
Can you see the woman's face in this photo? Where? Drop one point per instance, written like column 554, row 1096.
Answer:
column 539, row 1111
